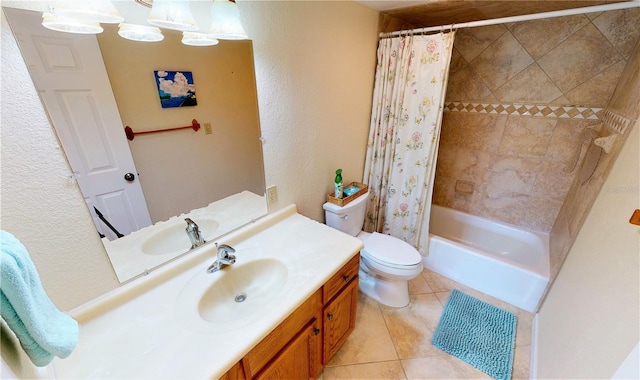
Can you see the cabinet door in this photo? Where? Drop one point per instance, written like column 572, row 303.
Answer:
column 340, row 319
column 297, row 360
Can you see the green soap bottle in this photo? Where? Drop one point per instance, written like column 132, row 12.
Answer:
column 337, row 186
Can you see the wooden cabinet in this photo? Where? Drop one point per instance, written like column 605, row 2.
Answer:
column 306, row 340
column 340, row 319
column 296, row 360
column 340, row 298
column 278, row 340
column 338, row 281
column 235, row 373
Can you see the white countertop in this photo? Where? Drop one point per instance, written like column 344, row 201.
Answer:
column 142, row 329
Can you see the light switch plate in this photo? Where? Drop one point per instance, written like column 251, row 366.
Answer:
column 207, row 128
column 272, row 195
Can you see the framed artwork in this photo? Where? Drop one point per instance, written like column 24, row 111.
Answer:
column 176, row 88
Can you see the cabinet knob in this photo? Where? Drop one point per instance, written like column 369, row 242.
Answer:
column 329, row 316
column 316, row 331
column 346, row 278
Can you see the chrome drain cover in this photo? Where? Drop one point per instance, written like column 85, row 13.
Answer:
column 241, row 297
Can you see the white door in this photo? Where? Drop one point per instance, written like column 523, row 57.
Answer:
column 69, row 74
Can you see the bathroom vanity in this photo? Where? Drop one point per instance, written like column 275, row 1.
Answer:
column 304, row 342
column 281, row 311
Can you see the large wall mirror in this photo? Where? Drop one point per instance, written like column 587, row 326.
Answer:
column 145, row 186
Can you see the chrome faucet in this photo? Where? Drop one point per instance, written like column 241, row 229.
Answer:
column 223, row 257
column 193, row 231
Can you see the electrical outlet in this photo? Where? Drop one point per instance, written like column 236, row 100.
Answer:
column 207, row 128
column 272, row 195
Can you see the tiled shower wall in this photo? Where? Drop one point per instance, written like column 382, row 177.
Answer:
column 621, row 116
column 524, row 101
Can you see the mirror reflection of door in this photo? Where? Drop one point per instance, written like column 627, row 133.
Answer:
column 70, row 77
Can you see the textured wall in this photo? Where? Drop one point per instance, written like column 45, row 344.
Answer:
column 625, row 108
column 522, row 99
column 315, row 65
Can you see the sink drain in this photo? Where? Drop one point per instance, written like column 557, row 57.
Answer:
column 241, row 297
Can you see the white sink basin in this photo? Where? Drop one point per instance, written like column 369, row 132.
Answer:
column 234, row 295
column 171, row 237
column 241, row 291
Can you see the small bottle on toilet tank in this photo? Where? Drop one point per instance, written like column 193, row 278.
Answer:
column 337, row 186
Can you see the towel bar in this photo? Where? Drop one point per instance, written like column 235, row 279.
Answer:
column 131, row 134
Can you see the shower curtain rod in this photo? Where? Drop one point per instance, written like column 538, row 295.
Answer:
column 504, row 20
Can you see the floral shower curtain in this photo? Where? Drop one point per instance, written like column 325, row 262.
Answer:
column 408, row 99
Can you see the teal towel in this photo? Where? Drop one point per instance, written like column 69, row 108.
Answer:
column 43, row 330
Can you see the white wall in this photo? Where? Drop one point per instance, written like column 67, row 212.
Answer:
column 588, row 323
column 315, row 64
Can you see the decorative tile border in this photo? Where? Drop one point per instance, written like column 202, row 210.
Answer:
column 616, row 122
column 520, row 109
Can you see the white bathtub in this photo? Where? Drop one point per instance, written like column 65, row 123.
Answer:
column 498, row 259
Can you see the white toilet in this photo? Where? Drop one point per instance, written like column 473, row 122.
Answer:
column 386, row 263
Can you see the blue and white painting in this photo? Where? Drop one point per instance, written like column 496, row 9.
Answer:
column 176, row 88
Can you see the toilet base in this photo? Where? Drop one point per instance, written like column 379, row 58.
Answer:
column 392, row 293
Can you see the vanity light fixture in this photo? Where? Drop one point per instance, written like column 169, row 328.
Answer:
column 101, row 11
column 172, row 14
column 198, row 39
column 143, row 33
column 225, row 21
column 68, row 25
column 85, row 16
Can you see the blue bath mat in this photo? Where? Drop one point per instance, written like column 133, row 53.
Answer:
column 481, row 334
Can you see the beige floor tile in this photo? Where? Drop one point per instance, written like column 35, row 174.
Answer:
column 443, row 297
column 370, row 340
column 523, row 329
column 439, row 283
column 440, row 367
column 419, row 285
column 469, row 371
column 380, row 370
column 412, row 327
column 521, row 361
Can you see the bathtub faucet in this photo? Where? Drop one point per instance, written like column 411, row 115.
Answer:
column 193, row 231
column 224, row 257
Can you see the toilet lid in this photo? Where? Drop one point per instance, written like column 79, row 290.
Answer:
column 388, row 249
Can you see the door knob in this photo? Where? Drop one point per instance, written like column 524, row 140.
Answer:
column 129, row 177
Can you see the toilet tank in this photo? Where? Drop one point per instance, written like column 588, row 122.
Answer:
column 348, row 218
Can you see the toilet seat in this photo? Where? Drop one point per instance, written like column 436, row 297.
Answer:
column 390, row 251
